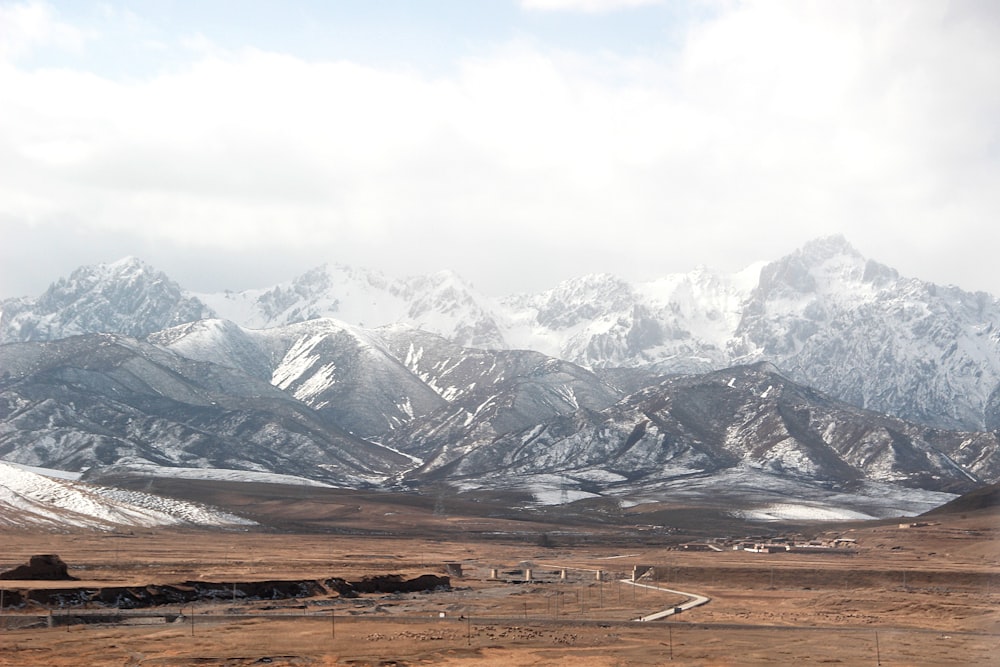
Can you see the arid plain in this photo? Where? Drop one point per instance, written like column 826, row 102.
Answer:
column 893, row 596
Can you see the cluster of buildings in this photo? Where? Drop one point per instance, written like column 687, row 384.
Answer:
column 839, row 545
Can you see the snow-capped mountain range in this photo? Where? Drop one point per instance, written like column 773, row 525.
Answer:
column 822, row 374
column 824, row 315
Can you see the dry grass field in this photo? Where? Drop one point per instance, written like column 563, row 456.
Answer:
column 919, row 596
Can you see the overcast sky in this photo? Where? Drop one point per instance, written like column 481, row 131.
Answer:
column 237, row 144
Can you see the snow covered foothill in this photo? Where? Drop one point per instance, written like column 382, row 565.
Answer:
column 744, row 492
column 32, row 500
column 800, row 512
column 213, row 474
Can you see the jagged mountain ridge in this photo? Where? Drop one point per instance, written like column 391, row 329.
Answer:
column 441, row 303
column 127, row 297
column 859, row 331
column 823, row 314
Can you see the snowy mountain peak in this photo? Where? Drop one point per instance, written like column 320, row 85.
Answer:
column 127, row 296
column 823, row 313
column 827, row 247
column 127, row 263
column 859, row 331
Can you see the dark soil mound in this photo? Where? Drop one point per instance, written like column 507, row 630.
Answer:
column 47, row 567
column 388, row 583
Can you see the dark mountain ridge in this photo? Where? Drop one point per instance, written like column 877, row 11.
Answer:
column 101, row 400
column 749, row 417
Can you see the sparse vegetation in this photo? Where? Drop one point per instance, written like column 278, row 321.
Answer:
column 765, row 608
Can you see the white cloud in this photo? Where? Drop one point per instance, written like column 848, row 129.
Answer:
column 774, row 123
column 25, row 27
column 588, row 6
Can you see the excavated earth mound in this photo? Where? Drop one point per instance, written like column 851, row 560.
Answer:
column 48, row 567
column 138, row 597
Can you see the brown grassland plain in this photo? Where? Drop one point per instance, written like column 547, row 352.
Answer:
column 919, row 596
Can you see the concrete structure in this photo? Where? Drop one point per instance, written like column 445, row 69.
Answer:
column 700, row 546
column 768, row 548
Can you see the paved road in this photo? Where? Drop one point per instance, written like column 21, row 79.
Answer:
column 694, row 601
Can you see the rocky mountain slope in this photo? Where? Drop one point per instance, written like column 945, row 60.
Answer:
column 488, row 393
column 742, row 417
column 859, row 331
column 126, row 297
column 824, row 314
column 103, row 399
column 343, row 373
column 487, row 419
column 408, row 388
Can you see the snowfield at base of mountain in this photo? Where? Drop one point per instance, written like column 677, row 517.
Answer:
column 30, row 499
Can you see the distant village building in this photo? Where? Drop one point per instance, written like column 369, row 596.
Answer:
column 699, row 546
column 809, row 548
column 769, row 548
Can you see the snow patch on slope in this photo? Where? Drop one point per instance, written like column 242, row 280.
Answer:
column 218, row 475
column 28, row 499
column 800, row 512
